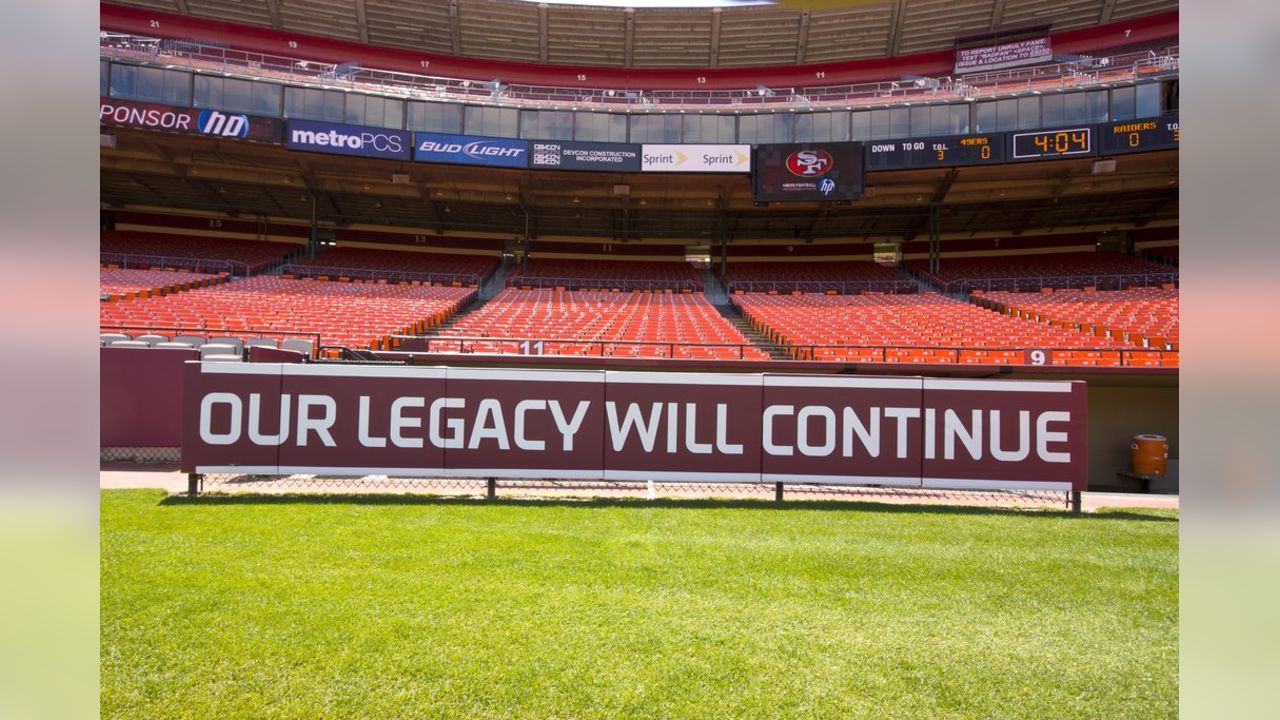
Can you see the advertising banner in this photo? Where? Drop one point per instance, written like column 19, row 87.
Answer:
column 356, row 140
column 1003, row 55
column 696, row 158
column 470, row 150
column 590, row 156
column 688, row 427
column 188, row 121
column 808, row 172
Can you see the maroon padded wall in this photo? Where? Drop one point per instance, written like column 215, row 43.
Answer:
column 141, row 396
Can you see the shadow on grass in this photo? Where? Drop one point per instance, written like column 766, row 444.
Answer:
column 592, row 503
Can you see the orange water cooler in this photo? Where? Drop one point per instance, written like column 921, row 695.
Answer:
column 1150, row 454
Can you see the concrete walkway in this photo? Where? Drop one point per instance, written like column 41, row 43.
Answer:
column 169, row 479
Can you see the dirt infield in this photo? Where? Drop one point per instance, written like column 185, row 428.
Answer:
column 173, row 481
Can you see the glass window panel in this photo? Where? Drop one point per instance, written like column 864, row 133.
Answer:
column 672, row 129
column 206, row 92
column 334, row 102
column 765, row 128
column 693, row 130
column 1098, row 109
column 1053, row 108
column 393, row 113
column 617, row 128
column 587, row 126
column 435, row 117
column 374, row 109
column 822, row 127
column 839, row 125
column 987, row 117
column 266, row 99
column 940, row 120
column 104, row 70
column 921, row 121
column 812, row 127
column 860, row 126
column 1007, row 114
column 1029, row 113
column 150, row 84
column 707, row 129
column 879, row 124
column 640, row 128
column 353, row 113
column 546, row 125
column 1122, row 104
column 1075, row 109
column 237, row 95
column 959, row 119
column 529, row 126
column 474, row 123
column 1148, row 100
column 508, row 122
column 899, row 122
column 177, row 87
column 599, row 127
column 123, row 79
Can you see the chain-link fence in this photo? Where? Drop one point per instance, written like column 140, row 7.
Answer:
column 140, row 455
column 596, row 489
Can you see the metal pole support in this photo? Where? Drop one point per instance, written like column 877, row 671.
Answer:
column 491, row 492
column 193, row 483
column 1075, row 502
column 777, row 492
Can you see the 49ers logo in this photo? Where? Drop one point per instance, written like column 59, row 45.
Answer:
column 809, row 163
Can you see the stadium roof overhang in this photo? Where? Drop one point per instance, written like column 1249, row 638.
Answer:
column 153, row 170
column 728, row 37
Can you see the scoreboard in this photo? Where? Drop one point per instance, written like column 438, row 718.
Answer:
column 1140, row 135
column 1080, row 141
column 933, row 152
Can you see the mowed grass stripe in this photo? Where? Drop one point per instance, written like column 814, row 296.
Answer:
column 386, row 607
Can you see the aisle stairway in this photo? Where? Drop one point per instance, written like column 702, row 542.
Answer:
column 713, row 288
column 730, row 313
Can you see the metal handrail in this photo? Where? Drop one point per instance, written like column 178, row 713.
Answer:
column 194, row 264
column 178, row 329
column 1112, row 281
column 464, row 344
column 574, row 283
column 254, row 65
column 844, row 287
column 1124, row 355
column 305, row 270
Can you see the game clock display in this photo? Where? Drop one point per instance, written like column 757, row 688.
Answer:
column 1052, row 144
column 946, row 151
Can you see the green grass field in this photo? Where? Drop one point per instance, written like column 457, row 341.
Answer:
column 382, row 607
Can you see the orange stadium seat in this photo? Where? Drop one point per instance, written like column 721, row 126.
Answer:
column 1102, row 270
column 839, row 276
column 147, row 249
column 115, row 282
column 376, row 263
column 1148, row 317
column 916, row 328
column 623, row 274
column 356, row 315
column 600, row 322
